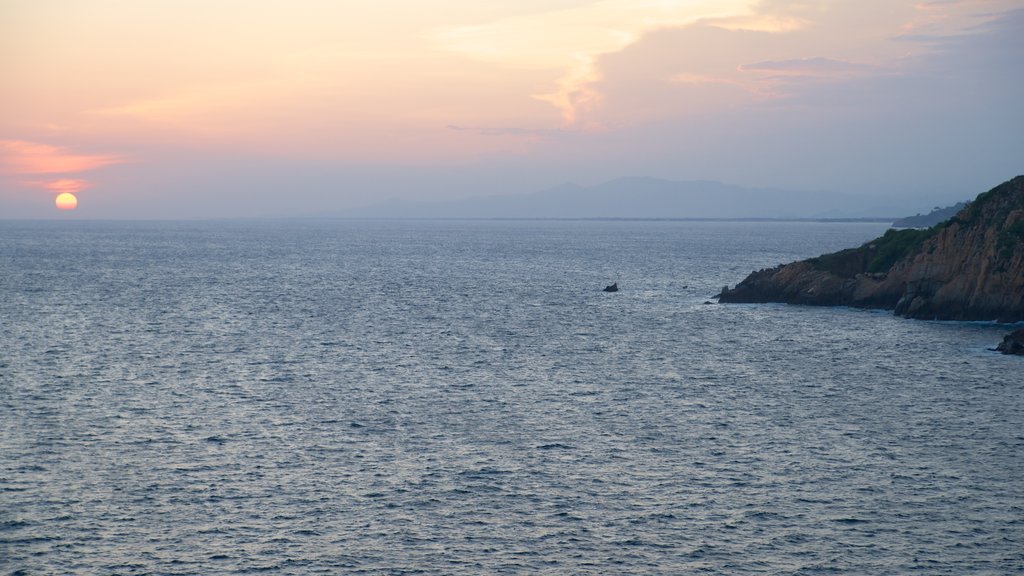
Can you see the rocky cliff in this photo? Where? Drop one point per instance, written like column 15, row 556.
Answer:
column 970, row 267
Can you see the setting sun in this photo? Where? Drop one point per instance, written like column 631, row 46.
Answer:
column 66, row 201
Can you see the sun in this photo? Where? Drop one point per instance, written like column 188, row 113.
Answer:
column 66, row 201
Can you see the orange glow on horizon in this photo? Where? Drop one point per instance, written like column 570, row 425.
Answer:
column 66, row 201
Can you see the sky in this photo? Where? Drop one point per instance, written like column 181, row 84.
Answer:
column 255, row 108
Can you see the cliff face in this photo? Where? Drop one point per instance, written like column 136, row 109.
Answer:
column 970, row 267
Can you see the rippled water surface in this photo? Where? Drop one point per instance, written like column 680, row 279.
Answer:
column 461, row 398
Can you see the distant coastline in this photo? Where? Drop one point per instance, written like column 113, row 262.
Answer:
column 870, row 220
column 597, row 219
column 645, row 198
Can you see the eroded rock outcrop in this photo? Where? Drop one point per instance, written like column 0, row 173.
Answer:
column 970, row 267
column 1013, row 343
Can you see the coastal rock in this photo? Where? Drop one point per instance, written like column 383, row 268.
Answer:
column 1013, row 343
column 970, row 267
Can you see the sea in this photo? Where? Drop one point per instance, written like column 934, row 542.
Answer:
column 461, row 397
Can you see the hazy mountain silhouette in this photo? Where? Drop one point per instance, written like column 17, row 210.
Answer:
column 637, row 197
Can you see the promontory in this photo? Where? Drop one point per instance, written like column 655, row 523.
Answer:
column 969, row 267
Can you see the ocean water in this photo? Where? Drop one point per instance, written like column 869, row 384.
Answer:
column 344, row 397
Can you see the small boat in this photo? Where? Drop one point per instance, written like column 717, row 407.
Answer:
column 612, row 288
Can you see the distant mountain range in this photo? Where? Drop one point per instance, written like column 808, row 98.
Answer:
column 639, row 197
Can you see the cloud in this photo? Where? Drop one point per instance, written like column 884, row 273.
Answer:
column 863, row 112
column 572, row 40
column 805, row 66
column 23, row 157
column 71, row 185
column 60, row 186
column 831, row 54
column 509, row 131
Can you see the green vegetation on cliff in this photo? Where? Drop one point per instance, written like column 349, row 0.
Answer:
column 875, row 256
column 1000, row 200
column 988, row 210
column 970, row 267
column 896, row 244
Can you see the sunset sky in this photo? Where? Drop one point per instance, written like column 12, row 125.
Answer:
column 231, row 108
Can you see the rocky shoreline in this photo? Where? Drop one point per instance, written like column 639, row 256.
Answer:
column 1013, row 343
column 970, row 267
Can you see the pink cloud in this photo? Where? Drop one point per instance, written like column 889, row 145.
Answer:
column 23, row 157
column 71, row 185
column 59, row 186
